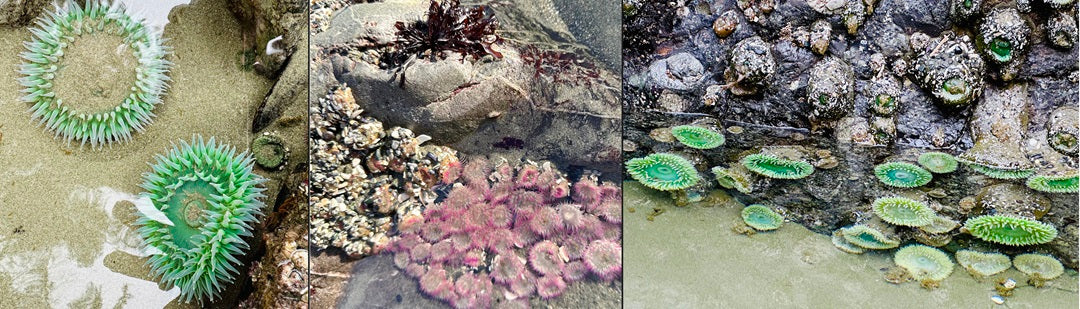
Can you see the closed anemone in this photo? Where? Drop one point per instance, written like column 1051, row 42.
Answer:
column 698, row 137
column 761, row 218
column 663, row 171
column 902, row 174
column 983, row 264
column 43, row 61
column 204, row 198
column 938, row 162
column 903, row 211
column 924, row 262
column 1010, row 230
column 1001, row 49
column 775, row 167
column 736, row 177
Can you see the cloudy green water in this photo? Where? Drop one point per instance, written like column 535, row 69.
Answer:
column 688, row 257
column 66, row 238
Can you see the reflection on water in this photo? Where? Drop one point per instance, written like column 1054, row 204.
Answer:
column 68, row 281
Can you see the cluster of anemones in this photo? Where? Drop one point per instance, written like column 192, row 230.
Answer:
column 507, row 233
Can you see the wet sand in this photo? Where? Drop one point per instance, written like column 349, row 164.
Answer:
column 64, row 238
column 688, row 257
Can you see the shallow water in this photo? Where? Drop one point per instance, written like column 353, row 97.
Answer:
column 791, row 267
column 64, row 238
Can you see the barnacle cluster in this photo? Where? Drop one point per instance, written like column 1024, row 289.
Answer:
column 365, row 179
column 750, row 66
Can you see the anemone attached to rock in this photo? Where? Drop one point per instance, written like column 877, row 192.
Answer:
column 940, row 225
column 269, row 151
column 663, row 171
column 1055, row 183
column 1010, row 230
column 903, row 211
column 867, row 237
column 43, row 62
column 998, row 173
column 983, row 264
column 762, row 218
column 938, row 162
column 697, row 137
column 1038, row 266
column 844, row 245
column 902, row 174
column 205, row 198
column 775, row 167
column 735, row 177
column 924, row 262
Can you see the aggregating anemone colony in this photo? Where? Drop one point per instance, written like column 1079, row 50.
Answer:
column 43, row 62
column 930, row 137
column 205, row 199
column 508, row 231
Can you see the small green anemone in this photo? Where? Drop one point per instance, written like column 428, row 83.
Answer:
column 1000, row 49
column 1039, row 266
column 955, row 91
column 1055, row 183
column 697, row 137
column 902, row 174
column 842, row 244
column 663, row 171
column 867, row 237
column 1010, row 231
column 761, row 218
column 903, row 211
column 924, row 262
column 269, row 151
column 734, row 178
column 43, row 61
column 983, row 264
column 776, row 167
column 204, row 198
column 938, row 162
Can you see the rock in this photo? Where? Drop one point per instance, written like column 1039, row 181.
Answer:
column 679, row 72
column 273, row 30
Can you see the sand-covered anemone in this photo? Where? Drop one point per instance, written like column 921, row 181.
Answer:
column 1010, row 230
column 269, row 151
column 983, row 264
column 735, row 177
column 663, row 171
column 902, row 174
column 205, row 198
column 698, row 137
column 1003, row 34
column 776, row 167
column 1038, row 266
column 43, row 62
column 938, row 162
column 924, row 262
column 903, row 211
column 1055, row 183
column 868, row 237
column 761, row 218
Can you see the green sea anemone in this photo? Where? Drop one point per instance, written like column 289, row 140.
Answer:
column 761, row 218
column 1039, row 266
column 663, row 171
column 1055, row 183
column 955, row 91
column 998, row 173
column 204, row 198
column 938, row 162
column 867, row 237
column 1010, row 231
column 735, row 177
column 269, row 151
column 983, row 264
column 776, row 167
column 940, row 225
column 43, row 59
column 697, row 137
column 903, row 211
column 924, row 262
column 902, row 174
column 842, row 244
